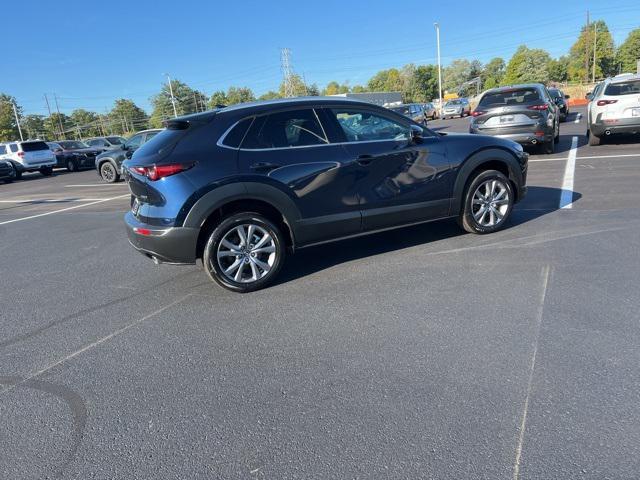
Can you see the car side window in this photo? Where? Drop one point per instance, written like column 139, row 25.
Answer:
column 135, row 141
column 365, row 126
column 13, row 147
column 293, row 128
column 3, row 149
column 150, row 135
column 234, row 137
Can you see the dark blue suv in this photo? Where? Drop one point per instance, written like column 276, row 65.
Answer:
column 240, row 186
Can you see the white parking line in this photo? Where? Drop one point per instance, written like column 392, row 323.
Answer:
column 566, row 199
column 61, row 210
column 97, row 185
column 562, row 159
column 577, row 120
column 51, row 200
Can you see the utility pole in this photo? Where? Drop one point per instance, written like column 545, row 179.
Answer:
column 64, row 137
column 173, row 100
column 195, row 100
column 586, row 50
column 287, row 72
column 50, row 117
column 15, row 112
column 595, row 39
column 439, row 68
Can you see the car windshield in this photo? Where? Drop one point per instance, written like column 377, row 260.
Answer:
column 70, row 145
column 116, row 140
column 555, row 93
column 507, row 98
column 623, row 88
column 453, row 103
column 53, row 145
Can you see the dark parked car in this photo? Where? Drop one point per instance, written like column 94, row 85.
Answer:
column 109, row 163
column 7, row 172
column 523, row 113
column 560, row 98
column 113, row 142
column 74, row 155
column 240, row 186
column 414, row 111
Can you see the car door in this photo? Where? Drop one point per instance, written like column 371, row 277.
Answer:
column 400, row 180
column 289, row 150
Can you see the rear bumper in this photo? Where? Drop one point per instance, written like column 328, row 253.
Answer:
column 34, row 167
column 175, row 245
column 523, row 138
column 622, row 125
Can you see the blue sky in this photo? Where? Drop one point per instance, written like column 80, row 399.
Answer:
column 91, row 52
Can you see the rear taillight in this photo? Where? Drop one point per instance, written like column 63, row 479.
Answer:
column 477, row 113
column 538, row 107
column 21, row 154
column 156, row 172
column 602, row 103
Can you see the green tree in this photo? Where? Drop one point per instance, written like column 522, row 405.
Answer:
column 300, row 89
column 33, row 126
column 239, row 95
column 558, row 69
column 423, row 85
column 527, row 65
column 270, row 95
column 218, row 98
column 629, row 52
column 87, row 122
column 359, row 89
column 459, row 71
column 386, row 81
column 187, row 101
column 126, row 117
column 335, row 88
column 492, row 73
column 8, row 125
column 581, row 53
column 60, row 126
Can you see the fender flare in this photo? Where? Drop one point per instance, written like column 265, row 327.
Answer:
column 211, row 201
column 474, row 161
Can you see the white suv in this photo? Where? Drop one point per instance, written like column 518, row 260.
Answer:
column 614, row 107
column 29, row 156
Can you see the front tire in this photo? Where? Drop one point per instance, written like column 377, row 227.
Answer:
column 244, row 252
column 487, row 203
column 594, row 140
column 109, row 173
column 71, row 166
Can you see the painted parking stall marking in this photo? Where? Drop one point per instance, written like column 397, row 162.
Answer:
column 566, row 199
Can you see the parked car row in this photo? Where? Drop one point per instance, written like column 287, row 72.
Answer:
column 105, row 154
column 418, row 112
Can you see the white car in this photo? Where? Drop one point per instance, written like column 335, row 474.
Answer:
column 29, row 156
column 614, row 107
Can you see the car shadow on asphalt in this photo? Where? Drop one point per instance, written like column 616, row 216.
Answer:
column 539, row 201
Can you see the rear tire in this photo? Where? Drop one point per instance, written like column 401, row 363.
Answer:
column 594, row 140
column 46, row 171
column 247, row 261
column 109, row 173
column 18, row 174
column 487, row 203
column 549, row 147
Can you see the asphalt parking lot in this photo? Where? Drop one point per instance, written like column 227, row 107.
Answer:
column 417, row 353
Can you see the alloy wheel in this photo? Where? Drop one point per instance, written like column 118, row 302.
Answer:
column 490, row 203
column 246, row 253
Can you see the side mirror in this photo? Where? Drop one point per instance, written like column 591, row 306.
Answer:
column 567, row 97
column 416, row 134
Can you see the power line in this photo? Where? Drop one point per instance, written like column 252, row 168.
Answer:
column 287, row 72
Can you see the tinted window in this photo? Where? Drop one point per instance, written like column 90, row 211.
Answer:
column 135, row 141
column 72, row 145
column 404, row 110
column 506, row 98
column 3, row 149
column 235, row 136
column 150, row 135
column 34, row 146
column 555, row 93
column 362, row 125
column 116, row 140
column 294, row 128
column 13, row 147
column 623, row 88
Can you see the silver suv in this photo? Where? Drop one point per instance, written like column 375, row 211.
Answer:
column 614, row 107
column 29, row 156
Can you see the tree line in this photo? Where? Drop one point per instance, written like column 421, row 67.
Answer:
column 417, row 83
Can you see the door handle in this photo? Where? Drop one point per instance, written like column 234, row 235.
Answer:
column 264, row 166
column 365, row 160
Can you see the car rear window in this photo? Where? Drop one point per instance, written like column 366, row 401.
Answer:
column 401, row 110
column 34, row 146
column 555, row 93
column 163, row 142
column 506, row 98
column 234, row 138
column 116, row 140
column 623, row 88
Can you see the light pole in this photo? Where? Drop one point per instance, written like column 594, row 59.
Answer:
column 15, row 113
column 173, row 100
column 439, row 68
